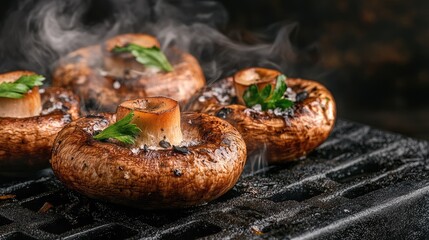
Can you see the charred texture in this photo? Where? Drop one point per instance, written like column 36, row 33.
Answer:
column 380, row 190
column 223, row 112
column 285, row 137
column 151, row 178
column 182, row 150
column 26, row 143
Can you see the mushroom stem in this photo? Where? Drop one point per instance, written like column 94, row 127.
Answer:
column 28, row 106
column 259, row 76
column 157, row 117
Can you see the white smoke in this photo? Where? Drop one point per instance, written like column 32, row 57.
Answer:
column 37, row 33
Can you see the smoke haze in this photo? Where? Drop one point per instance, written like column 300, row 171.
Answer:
column 36, row 33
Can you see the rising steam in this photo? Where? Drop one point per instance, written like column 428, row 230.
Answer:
column 36, row 33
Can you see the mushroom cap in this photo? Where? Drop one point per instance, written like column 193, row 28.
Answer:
column 103, row 80
column 26, row 143
column 284, row 138
column 151, row 179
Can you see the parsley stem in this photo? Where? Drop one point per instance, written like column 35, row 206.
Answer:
column 151, row 56
column 122, row 130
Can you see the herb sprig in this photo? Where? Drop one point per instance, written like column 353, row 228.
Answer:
column 147, row 56
column 123, row 130
column 268, row 98
column 21, row 86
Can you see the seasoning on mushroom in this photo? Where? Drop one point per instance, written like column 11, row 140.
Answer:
column 290, row 117
column 118, row 157
column 126, row 67
column 30, row 120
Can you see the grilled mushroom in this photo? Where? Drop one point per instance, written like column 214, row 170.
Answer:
column 167, row 167
column 103, row 78
column 30, row 124
column 285, row 134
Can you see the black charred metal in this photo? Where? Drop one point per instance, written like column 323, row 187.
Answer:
column 361, row 183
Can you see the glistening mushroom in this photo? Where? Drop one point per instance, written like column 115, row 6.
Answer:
column 30, row 124
column 286, row 134
column 203, row 160
column 104, row 78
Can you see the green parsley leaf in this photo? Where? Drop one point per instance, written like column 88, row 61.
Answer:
column 266, row 92
column 251, row 96
column 21, row 86
column 122, row 130
column 280, row 88
column 267, row 97
column 283, row 103
column 147, row 56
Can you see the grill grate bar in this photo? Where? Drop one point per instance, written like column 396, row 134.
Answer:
column 345, row 222
column 361, row 181
column 349, row 163
column 373, row 180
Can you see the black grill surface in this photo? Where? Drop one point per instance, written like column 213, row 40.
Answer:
column 361, row 183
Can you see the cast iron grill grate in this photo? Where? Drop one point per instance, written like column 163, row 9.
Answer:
column 361, row 183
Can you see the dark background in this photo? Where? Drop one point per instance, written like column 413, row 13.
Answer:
column 373, row 55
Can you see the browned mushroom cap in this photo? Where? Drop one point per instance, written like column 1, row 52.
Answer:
column 103, row 79
column 26, row 143
column 154, row 178
column 284, row 137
